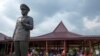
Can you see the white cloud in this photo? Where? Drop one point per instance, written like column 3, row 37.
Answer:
column 7, row 23
column 6, row 5
column 9, row 12
column 2, row 7
column 50, row 23
column 91, row 24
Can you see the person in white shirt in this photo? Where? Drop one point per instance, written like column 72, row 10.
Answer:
column 97, row 52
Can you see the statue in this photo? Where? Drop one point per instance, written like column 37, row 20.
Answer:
column 21, row 34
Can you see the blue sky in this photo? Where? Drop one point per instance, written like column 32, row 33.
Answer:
column 79, row 16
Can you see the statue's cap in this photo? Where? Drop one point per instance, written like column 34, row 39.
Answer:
column 24, row 6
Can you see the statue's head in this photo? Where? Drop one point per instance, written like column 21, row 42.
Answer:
column 24, row 9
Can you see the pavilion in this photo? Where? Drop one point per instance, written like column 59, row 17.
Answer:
column 62, row 39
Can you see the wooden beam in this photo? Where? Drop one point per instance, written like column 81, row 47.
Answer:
column 46, row 48
column 11, row 48
column 90, row 48
column 64, row 49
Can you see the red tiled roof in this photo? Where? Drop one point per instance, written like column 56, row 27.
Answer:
column 61, row 28
column 59, row 33
column 4, row 37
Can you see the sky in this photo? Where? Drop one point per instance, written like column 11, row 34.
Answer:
column 79, row 16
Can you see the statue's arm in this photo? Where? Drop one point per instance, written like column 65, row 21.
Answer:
column 14, row 30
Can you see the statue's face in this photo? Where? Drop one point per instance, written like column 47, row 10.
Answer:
column 24, row 11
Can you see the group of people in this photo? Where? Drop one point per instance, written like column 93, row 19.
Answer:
column 80, row 52
column 83, row 53
column 34, row 52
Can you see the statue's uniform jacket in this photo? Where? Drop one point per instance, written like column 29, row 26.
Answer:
column 22, row 30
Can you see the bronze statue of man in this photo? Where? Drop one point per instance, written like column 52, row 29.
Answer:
column 21, row 34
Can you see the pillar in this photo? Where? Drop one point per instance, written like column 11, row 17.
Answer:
column 65, row 47
column 90, row 48
column 46, row 48
column 11, row 48
column 98, row 45
column 7, row 47
column 84, row 48
column 32, row 43
column 64, row 50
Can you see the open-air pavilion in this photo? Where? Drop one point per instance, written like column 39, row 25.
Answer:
column 62, row 39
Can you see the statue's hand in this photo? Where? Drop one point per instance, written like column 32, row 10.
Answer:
column 22, row 20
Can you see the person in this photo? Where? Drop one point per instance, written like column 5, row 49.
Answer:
column 97, row 52
column 41, row 53
column 46, row 54
column 34, row 53
column 71, row 53
column 21, row 34
column 29, row 54
column 75, row 52
column 63, row 53
column 58, row 54
column 51, row 53
column 81, row 53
